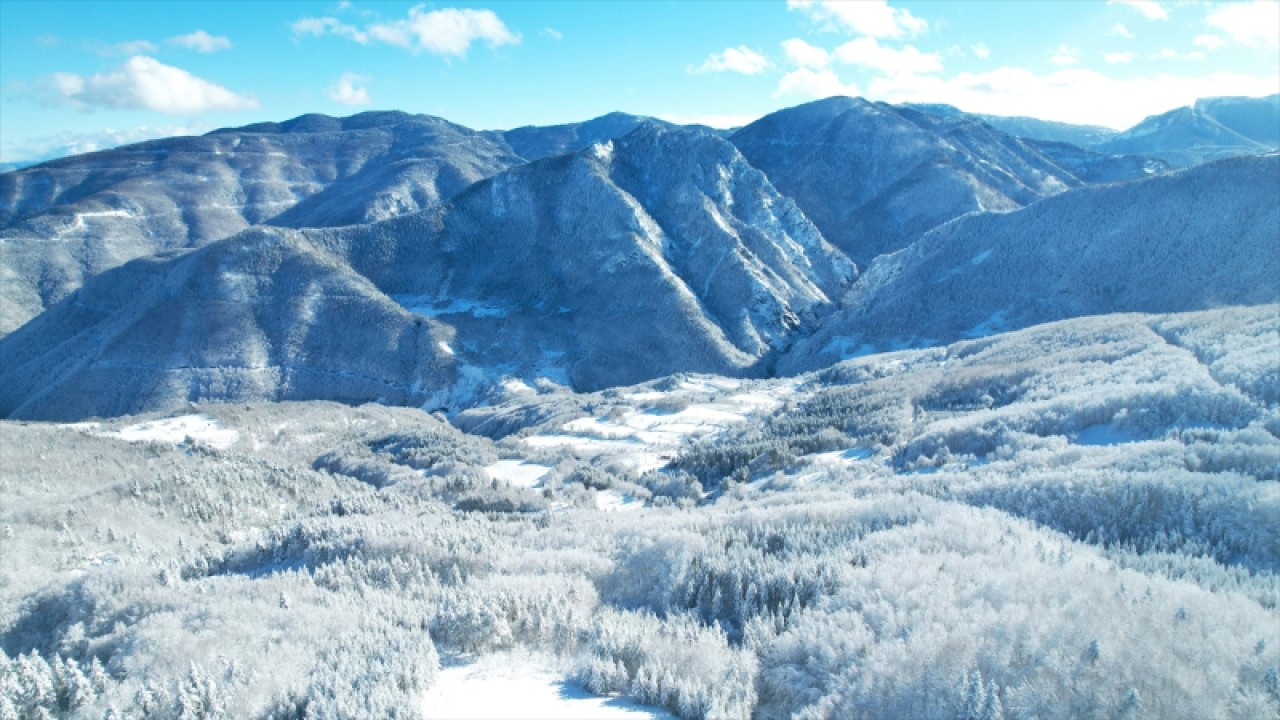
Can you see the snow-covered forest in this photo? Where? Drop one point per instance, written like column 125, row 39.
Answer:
column 1079, row 519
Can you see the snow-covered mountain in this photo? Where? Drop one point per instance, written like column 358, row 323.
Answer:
column 535, row 142
column 874, row 177
column 662, row 252
column 69, row 219
column 1201, row 238
column 1211, row 128
column 1027, row 127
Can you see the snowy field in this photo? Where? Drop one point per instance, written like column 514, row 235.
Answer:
column 520, row 685
column 1081, row 519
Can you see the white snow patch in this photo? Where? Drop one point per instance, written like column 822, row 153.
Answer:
column 614, row 501
column 980, row 257
column 991, row 326
column 646, row 439
column 200, row 429
column 436, row 307
column 517, row 472
column 1104, row 435
column 522, row 686
column 444, row 348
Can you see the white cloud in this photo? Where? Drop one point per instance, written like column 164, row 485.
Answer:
column 1150, row 9
column 1121, row 30
column 1165, row 54
column 809, row 83
column 864, row 17
column 803, row 54
column 1210, row 42
column 128, row 47
column 39, row 149
column 866, row 52
column 449, row 31
column 1065, row 56
column 346, row 92
column 134, row 47
column 1072, row 95
column 552, row 33
column 1251, row 23
column 144, row 83
column 1119, row 58
column 327, row 25
column 980, row 51
column 201, row 42
column 741, row 59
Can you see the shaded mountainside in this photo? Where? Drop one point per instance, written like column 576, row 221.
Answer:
column 1201, row 238
column 534, row 142
column 70, row 219
column 262, row 316
column 874, row 177
column 1210, row 129
column 660, row 253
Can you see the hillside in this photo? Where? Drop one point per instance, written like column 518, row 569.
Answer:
column 1197, row 239
column 873, row 177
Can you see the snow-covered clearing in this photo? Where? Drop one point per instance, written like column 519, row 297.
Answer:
column 524, row 686
column 517, row 472
column 200, row 429
column 645, row 431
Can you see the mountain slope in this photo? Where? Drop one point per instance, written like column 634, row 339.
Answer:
column 262, row 316
column 660, row 253
column 534, row 142
column 1027, row 127
column 1198, row 239
column 1211, row 128
column 70, row 219
column 874, row 177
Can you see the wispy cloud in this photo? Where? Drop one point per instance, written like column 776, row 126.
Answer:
column 1119, row 58
column 48, row 147
column 448, row 32
column 552, row 33
column 741, row 59
column 346, row 91
column 801, row 53
column 201, row 42
column 866, row 52
column 1065, row 56
column 875, row 18
column 1150, row 9
column 1252, row 23
column 1121, row 30
column 127, row 47
column 980, row 51
column 809, row 83
column 1209, row 42
column 144, row 83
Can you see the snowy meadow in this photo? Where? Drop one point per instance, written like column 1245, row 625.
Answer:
column 1079, row 519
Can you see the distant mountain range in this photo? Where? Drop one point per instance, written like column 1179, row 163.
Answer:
column 405, row 259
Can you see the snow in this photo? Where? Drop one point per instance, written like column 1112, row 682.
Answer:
column 1104, row 435
column 646, row 438
column 200, row 429
column 435, row 307
column 614, row 501
column 517, row 472
column 522, row 686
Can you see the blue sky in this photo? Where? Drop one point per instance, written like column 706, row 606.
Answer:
column 77, row 76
